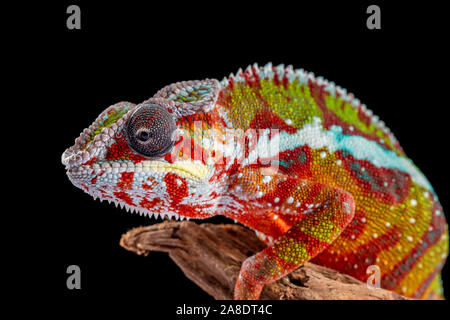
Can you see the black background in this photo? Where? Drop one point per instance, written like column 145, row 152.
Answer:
column 127, row 51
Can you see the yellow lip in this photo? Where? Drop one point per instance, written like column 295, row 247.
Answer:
column 185, row 169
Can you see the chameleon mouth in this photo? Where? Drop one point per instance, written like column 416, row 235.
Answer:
column 185, row 169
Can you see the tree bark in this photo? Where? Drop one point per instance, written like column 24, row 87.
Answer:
column 211, row 256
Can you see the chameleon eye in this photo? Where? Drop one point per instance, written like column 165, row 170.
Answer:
column 149, row 130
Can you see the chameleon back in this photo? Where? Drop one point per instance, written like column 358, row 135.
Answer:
column 327, row 135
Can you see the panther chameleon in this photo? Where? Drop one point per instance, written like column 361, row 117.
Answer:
column 288, row 154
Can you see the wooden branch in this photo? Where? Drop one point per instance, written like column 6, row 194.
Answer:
column 211, row 256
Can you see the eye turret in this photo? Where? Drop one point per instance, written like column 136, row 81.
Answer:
column 149, row 130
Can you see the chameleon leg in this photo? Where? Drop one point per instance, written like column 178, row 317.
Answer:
column 328, row 210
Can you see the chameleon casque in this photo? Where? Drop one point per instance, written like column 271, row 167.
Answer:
column 290, row 155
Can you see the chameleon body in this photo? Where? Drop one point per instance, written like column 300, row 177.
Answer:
column 290, row 155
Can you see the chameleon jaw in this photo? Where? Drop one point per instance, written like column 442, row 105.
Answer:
column 129, row 208
column 140, row 211
column 147, row 213
column 82, row 176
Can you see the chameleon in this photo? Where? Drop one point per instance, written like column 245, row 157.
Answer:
column 292, row 156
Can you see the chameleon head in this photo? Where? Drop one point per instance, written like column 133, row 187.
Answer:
column 149, row 157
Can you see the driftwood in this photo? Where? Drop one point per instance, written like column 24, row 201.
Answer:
column 211, row 256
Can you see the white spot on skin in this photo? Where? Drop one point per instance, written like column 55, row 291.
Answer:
column 240, row 175
column 388, row 224
column 289, row 122
column 385, row 184
column 339, row 162
column 323, row 154
column 206, row 143
column 412, row 220
column 276, row 200
column 267, row 179
column 413, row 202
column 363, row 220
column 347, row 207
column 409, row 238
column 259, row 194
column 290, row 200
column 375, row 235
column 426, row 194
column 352, row 236
column 275, row 217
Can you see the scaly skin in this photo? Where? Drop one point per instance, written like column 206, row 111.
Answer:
column 292, row 156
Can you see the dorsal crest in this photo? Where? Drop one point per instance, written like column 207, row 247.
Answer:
column 335, row 99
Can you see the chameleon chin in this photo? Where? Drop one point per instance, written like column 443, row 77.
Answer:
column 312, row 171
